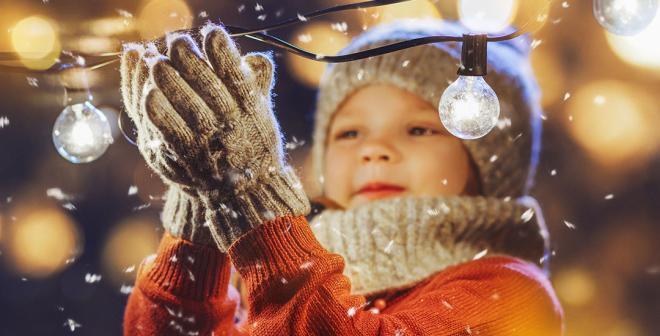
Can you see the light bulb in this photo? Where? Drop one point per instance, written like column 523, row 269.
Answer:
column 625, row 17
column 469, row 108
column 81, row 133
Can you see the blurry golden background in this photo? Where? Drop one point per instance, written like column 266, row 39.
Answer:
column 71, row 236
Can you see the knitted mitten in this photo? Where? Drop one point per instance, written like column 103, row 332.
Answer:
column 183, row 212
column 220, row 139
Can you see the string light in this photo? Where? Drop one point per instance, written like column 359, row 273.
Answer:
column 81, row 133
column 469, row 108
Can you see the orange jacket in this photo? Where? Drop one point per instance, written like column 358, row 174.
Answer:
column 296, row 287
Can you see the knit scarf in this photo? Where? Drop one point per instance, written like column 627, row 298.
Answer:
column 395, row 243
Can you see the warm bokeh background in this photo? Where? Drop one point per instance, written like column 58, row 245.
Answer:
column 71, row 235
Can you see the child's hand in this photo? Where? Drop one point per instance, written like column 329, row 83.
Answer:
column 219, row 139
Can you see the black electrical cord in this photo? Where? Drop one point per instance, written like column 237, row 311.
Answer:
column 259, row 34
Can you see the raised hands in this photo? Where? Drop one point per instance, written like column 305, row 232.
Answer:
column 206, row 126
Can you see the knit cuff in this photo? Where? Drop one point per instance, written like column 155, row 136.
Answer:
column 187, row 271
column 272, row 197
column 183, row 216
column 280, row 248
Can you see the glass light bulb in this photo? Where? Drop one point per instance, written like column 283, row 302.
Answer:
column 81, row 133
column 469, row 108
column 625, row 17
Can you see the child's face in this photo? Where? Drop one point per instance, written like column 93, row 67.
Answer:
column 392, row 139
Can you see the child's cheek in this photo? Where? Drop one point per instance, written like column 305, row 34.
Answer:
column 337, row 174
column 442, row 169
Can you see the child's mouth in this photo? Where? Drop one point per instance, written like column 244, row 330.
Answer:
column 379, row 190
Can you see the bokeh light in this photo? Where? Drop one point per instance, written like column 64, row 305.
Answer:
column 40, row 241
column 641, row 49
column 111, row 26
column 487, row 16
column 320, row 38
column 128, row 243
column 575, row 286
column 36, row 41
column 159, row 17
column 549, row 74
column 614, row 121
column 409, row 9
column 532, row 15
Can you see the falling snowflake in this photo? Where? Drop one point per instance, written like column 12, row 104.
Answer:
column 301, row 17
column 493, row 158
column 569, row 225
column 565, row 4
column 653, row 270
column 132, row 190
column 527, row 215
column 262, row 17
column 33, row 82
column 446, row 304
column 124, row 13
column 241, row 8
column 258, row 7
column 72, row 325
column 58, row 194
column 351, row 311
column 405, row 63
column 69, row 206
column 306, row 265
column 480, row 254
column 294, row 143
column 567, row 95
column 92, row 278
column 600, row 100
column 609, row 196
column 129, row 269
column 126, row 289
column 4, row 121
column 388, row 248
column 553, row 172
column 339, row 26
column 140, row 207
column 536, row 43
column 203, row 14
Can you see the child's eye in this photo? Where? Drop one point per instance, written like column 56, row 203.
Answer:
column 349, row 134
column 422, row 131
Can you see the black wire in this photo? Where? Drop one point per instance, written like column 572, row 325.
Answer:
column 259, row 34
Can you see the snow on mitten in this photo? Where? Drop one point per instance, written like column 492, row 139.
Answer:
column 220, row 136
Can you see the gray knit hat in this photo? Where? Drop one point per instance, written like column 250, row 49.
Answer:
column 506, row 158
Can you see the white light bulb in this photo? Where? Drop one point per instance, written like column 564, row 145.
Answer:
column 81, row 133
column 469, row 108
column 625, row 17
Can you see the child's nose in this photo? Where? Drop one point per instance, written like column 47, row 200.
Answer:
column 377, row 152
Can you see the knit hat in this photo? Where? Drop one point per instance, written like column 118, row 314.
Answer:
column 506, row 158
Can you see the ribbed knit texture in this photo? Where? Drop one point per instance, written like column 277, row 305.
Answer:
column 396, row 243
column 296, row 287
column 183, row 290
column 506, row 158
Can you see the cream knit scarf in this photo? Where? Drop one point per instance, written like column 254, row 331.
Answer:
column 397, row 242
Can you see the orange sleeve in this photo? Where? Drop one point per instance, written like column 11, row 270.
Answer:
column 296, row 287
column 184, row 290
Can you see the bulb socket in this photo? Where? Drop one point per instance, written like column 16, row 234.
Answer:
column 474, row 55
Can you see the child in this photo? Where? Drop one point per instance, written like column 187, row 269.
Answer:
column 413, row 205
